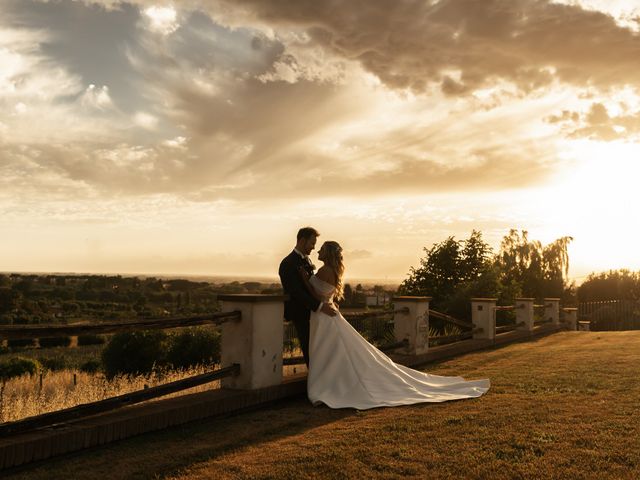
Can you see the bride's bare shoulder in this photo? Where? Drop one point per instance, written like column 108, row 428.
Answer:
column 326, row 274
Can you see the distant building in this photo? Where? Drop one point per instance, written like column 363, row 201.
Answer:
column 377, row 300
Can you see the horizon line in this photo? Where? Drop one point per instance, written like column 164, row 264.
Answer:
column 245, row 277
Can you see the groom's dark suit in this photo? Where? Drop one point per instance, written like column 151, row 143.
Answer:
column 298, row 307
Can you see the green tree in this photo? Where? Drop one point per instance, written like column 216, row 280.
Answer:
column 17, row 366
column 193, row 346
column 9, row 299
column 348, row 294
column 452, row 272
column 134, row 352
column 614, row 284
column 533, row 269
column 448, row 265
column 24, row 286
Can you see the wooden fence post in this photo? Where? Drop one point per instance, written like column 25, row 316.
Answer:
column 413, row 325
column 552, row 310
column 524, row 313
column 483, row 315
column 254, row 342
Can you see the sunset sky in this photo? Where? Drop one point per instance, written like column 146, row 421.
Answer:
column 197, row 136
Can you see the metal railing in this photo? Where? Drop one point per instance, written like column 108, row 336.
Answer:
column 619, row 314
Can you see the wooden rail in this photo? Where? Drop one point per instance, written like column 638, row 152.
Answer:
column 450, row 319
column 373, row 314
column 542, row 322
column 113, row 403
column 446, row 339
column 500, row 308
column 509, row 328
column 42, row 331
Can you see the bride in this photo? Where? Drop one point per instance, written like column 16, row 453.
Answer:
column 347, row 371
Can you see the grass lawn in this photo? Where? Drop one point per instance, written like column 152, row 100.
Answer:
column 566, row 406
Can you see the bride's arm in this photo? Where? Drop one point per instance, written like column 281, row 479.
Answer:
column 307, row 283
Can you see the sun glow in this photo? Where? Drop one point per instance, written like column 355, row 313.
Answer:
column 162, row 19
column 596, row 202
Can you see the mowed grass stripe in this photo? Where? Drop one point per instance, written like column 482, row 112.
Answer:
column 564, row 406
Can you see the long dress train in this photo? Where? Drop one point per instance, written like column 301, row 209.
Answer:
column 345, row 370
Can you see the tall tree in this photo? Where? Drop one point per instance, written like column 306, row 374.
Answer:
column 446, row 266
column 611, row 285
column 539, row 271
column 9, row 299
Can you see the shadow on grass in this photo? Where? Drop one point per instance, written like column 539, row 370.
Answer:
column 159, row 454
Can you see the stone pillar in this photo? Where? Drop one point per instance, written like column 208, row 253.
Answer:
column 571, row 318
column 255, row 341
column 552, row 310
column 483, row 315
column 524, row 313
column 584, row 326
column 413, row 325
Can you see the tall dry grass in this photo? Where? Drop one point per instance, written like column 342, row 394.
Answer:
column 23, row 397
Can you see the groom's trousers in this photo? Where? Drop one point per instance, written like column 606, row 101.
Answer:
column 300, row 302
column 302, row 329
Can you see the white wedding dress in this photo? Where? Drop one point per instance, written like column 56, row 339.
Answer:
column 347, row 371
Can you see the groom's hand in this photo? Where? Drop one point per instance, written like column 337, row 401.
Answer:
column 303, row 273
column 328, row 310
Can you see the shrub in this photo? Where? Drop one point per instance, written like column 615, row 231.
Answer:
column 21, row 342
column 91, row 366
column 54, row 342
column 17, row 366
column 134, row 352
column 59, row 362
column 194, row 346
column 91, row 340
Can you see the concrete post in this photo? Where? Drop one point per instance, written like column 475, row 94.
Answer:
column 571, row 318
column 584, row 326
column 412, row 325
column 483, row 315
column 524, row 313
column 552, row 310
column 255, row 342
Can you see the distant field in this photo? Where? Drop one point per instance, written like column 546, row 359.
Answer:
column 566, row 406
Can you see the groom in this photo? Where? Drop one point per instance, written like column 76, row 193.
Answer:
column 300, row 303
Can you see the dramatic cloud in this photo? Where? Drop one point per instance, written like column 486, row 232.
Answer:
column 463, row 45
column 278, row 106
column 162, row 19
column 253, row 88
column 598, row 124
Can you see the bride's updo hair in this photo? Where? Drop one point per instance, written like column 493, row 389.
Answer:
column 333, row 252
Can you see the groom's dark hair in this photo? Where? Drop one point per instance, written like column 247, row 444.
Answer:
column 307, row 232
